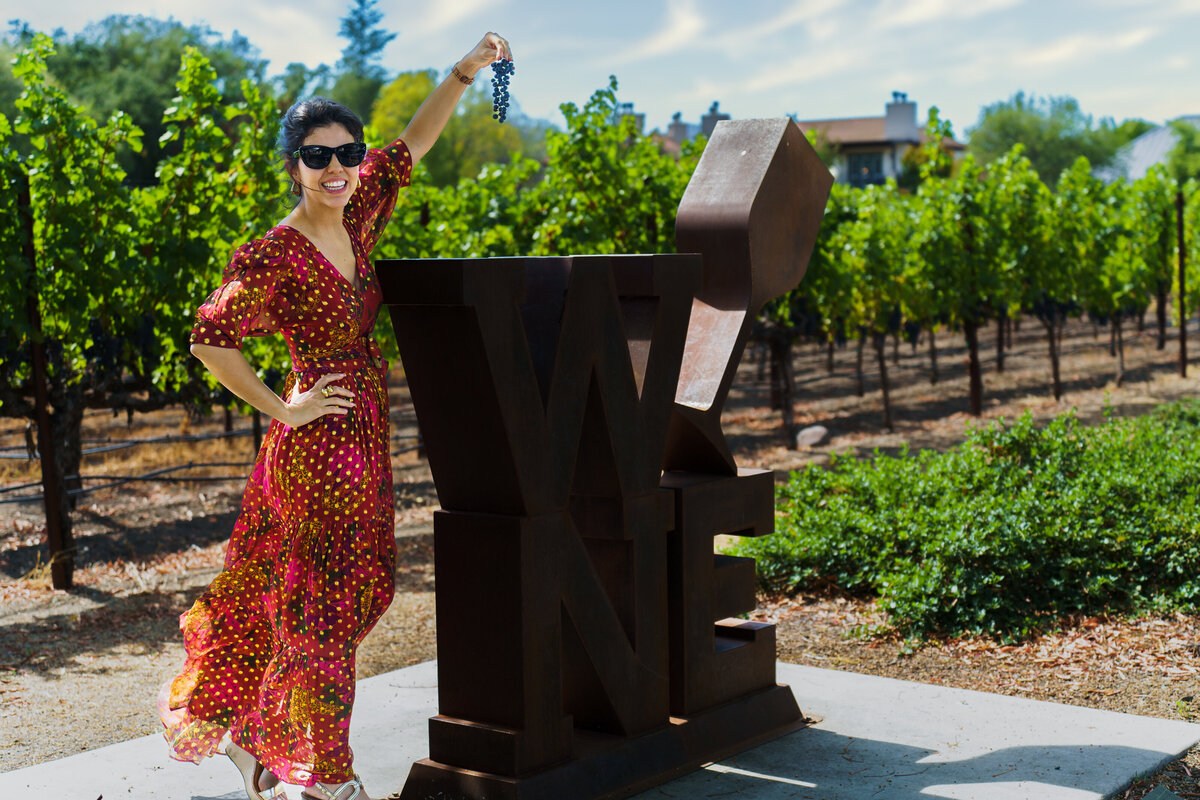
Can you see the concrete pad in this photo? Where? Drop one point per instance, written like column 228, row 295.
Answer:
column 899, row 740
column 877, row 738
column 389, row 731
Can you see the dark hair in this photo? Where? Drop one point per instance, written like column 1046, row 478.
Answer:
column 307, row 115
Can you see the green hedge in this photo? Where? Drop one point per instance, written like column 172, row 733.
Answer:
column 1007, row 534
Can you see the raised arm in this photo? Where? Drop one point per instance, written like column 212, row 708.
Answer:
column 427, row 124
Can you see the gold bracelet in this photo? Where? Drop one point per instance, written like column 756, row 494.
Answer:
column 458, row 74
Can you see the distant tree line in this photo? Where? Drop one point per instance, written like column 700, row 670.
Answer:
column 1053, row 131
column 130, row 63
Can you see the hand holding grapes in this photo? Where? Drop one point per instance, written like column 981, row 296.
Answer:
column 430, row 119
column 492, row 47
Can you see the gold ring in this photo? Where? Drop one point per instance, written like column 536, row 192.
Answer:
column 325, row 391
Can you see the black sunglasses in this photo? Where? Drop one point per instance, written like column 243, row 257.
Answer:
column 317, row 156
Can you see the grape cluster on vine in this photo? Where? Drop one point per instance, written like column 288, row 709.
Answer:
column 503, row 70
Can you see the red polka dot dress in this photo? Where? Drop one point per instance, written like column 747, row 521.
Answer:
column 310, row 565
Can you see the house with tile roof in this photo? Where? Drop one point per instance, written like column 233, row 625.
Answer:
column 871, row 149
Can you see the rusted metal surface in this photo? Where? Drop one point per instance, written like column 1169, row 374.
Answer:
column 752, row 208
column 585, row 648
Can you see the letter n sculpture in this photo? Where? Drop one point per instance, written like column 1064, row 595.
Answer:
column 587, row 636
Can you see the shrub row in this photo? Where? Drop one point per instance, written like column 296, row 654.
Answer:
column 1006, row 535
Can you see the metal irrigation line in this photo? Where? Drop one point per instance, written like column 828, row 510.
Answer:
column 157, row 475
column 120, row 480
column 397, row 415
column 123, row 444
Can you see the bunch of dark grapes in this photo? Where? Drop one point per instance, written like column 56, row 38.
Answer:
column 504, row 69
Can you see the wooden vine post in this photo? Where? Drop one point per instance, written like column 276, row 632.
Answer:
column 62, row 560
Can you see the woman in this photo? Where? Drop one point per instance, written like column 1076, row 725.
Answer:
column 309, row 569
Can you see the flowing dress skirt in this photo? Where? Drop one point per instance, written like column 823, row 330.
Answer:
column 309, row 571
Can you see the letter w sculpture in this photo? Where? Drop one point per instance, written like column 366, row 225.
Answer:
column 588, row 645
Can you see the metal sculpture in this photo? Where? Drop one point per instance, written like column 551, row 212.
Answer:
column 587, row 639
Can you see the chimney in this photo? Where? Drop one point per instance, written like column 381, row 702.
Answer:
column 709, row 121
column 678, row 129
column 900, row 121
column 626, row 110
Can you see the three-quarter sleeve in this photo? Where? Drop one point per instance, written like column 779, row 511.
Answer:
column 243, row 304
column 383, row 173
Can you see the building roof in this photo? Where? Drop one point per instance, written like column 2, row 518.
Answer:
column 860, row 131
column 666, row 144
column 1134, row 160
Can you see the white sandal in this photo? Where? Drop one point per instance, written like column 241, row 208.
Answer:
column 252, row 773
column 356, row 784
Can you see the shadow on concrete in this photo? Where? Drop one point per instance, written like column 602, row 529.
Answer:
column 815, row 764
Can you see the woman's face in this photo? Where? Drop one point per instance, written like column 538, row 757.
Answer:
column 333, row 185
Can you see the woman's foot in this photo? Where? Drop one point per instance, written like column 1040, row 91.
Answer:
column 260, row 783
column 350, row 790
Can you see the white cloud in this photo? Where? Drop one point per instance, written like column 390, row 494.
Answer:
column 441, row 15
column 817, row 17
column 924, row 12
column 681, row 31
column 1082, row 46
column 796, row 72
column 287, row 34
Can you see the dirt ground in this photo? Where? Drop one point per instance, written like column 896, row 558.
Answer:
column 95, row 656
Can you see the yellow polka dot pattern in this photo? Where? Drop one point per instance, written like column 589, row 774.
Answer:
column 311, row 562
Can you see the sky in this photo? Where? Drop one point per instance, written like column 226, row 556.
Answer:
column 816, row 59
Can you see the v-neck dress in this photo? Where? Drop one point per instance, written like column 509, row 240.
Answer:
column 310, row 565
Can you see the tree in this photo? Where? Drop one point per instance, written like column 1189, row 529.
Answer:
column 875, row 252
column 602, row 189
column 1154, row 227
column 1183, row 163
column 360, row 27
column 129, row 64
column 1045, row 283
column 933, row 158
column 1053, row 130
column 827, row 288
column 826, row 150
column 1184, row 166
column 606, row 188
column 360, row 76
column 1119, row 277
column 299, row 81
column 118, row 268
column 958, row 239
column 10, row 87
column 1122, row 134
column 921, row 299
column 81, row 244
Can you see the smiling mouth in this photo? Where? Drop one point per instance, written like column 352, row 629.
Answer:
column 334, row 186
